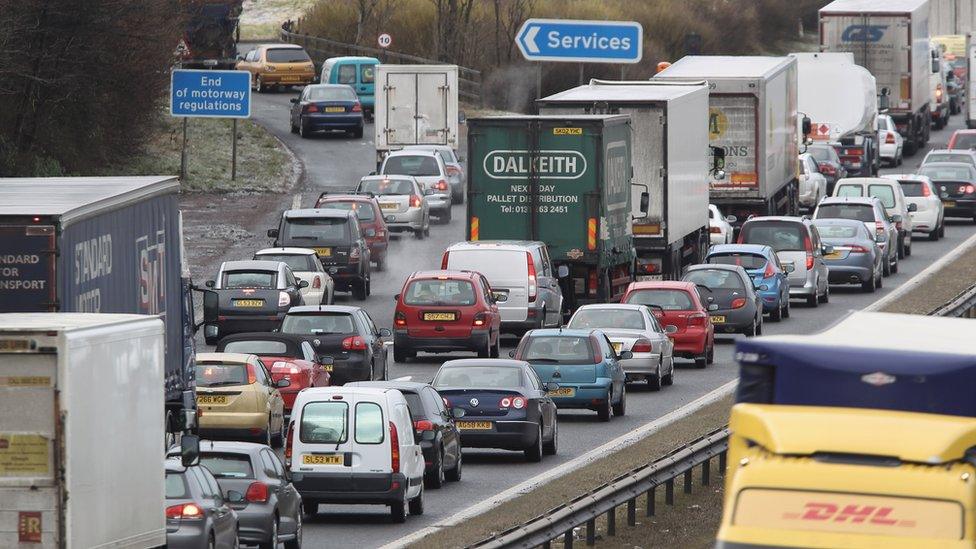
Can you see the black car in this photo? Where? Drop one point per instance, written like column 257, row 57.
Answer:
column 731, row 295
column 324, row 107
column 249, row 296
column 345, row 333
column 505, row 405
column 829, row 163
column 956, row 183
column 336, row 238
column 435, row 428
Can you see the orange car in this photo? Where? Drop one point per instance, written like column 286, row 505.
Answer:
column 277, row 65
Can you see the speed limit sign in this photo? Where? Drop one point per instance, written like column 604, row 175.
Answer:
column 384, row 40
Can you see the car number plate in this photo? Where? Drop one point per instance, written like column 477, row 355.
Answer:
column 389, row 205
column 326, row 367
column 211, row 399
column 248, row 302
column 949, row 204
column 617, row 347
column 563, row 392
column 319, row 459
column 474, row 425
column 440, row 316
column 832, row 255
column 718, row 319
column 14, row 345
column 289, row 79
column 335, row 109
column 324, row 252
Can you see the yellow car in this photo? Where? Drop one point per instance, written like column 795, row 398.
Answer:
column 237, row 399
column 277, row 65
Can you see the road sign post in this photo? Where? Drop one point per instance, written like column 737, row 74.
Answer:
column 577, row 41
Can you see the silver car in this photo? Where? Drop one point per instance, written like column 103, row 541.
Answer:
column 856, row 257
column 402, row 201
column 429, row 170
column 633, row 328
column 197, row 515
column 871, row 212
column 455, row 171
column 796, row 242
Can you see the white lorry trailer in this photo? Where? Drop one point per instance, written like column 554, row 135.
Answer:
column 752, row 116
column 81, row 430
column 670, row 130
column 415, row 105
column 890, row 38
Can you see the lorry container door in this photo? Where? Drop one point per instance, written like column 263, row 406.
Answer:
column 401, row 108
column 416, row 108
column 733, row 125
column 28, row 267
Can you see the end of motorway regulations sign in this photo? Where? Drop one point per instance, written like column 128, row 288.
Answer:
column 581, row 41
column 210, row 94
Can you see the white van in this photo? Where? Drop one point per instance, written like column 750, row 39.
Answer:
column 355, row 445
column 892, row 197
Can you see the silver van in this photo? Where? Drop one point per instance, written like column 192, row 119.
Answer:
column 796, row 242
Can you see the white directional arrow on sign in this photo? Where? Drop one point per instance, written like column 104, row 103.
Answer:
column 530, row 40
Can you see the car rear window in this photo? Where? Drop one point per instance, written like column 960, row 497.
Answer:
column 318, row 324
column 838, row 231
column 625, row 319
column 415, row 405
column 849, row 190
column 715, row 279
column 176, row 486
column 495, row 264
column 439, row 292
column 884, row 193
column 669, row 300
column 316, row 228
column 945, row 173
column 249, row 279
column 228, row 465
column 369, row 423
column 216, row 374
column 324, row 423
column 387, row 186
column 912, row 188
column 860, row 212
column 295, row 261
column 415, row 165
column 257, row 347
column 332, row 93
column 364, row 211
column 287, row 55
column 484, row 377
column 935, row 158
column 964, row 141
column 746, row 261
column 782, row 236
column 558, row 349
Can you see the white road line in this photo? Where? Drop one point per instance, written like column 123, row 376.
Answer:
column 296, row 201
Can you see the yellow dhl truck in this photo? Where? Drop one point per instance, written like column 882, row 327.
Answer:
column 863, row 435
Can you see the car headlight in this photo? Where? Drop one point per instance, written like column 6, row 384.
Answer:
column 284, row 299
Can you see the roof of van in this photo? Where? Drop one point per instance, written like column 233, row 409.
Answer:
column 866, row 180
column 725, row 66
column 310, row 392
column 637, row 92
column 885, row 6
column 351, row 58
column 76, row 198
column 32, row 322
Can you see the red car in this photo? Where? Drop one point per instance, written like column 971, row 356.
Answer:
column 440, row 311
column 370, row 217
column 963, row 139
column 678, row 303
column 285, row 356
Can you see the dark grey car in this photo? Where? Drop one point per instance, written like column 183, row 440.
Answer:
column 254, row 482
column 197, row 515
column 856, row 257
column 731, row 296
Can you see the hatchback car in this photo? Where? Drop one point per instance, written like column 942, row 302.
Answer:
column 326, row 107
column 434, row 426
column 428, row 168
column 633, row 328
column 505, row 405
column 956, row 183
column 856, row 257
column 336, row 238
column 359, row 73
column 869, row 211
column 248, row 296
column 929, row 214
column 455, row 172
column 740, row 308
column 237, row 400
column 197, row 514
column 892, row 197
column 277, row 65
column 305, row 265
column 448, row 310
column 404, row 205
column 962, row 140
column 347, row 335
column 372, row 225
column 890, row 142
column 940, row 156
column 828, row 162
column 770, row 278
column 584, row 365
column 813, row 184
column 256, row 487
column 796, row 243
column 719, row 227
column 678, row 303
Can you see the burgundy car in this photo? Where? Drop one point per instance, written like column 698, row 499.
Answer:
column 370, row 217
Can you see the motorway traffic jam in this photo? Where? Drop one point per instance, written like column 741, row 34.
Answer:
column 618, row 240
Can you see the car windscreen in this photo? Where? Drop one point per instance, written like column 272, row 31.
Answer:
column 479, row 377
column 216, row 374
column 558, row 349
column 669, row 300
column 782, row 236
column 964, row 141
column 318, row 324
column 935, row 158
column 331, row 93
column 265, row 280
column 745, row 260
column 324, row 423
column 860, row 212
column 333, row 229
column 839, row 231
column 256, row 347
column 287, row 55
column 821, row 154
column 624, row 319
column 176, row 486
column 849, row 190
column 228, row 465
column 295, row 261
column 384, row 187
column 364, row 211
column 884, row 193
column 439, row 292
column 912, row 188
column 936, row 172
column 715, row 279
column 416, row 165
column 495, row 264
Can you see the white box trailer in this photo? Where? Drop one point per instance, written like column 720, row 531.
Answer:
column 890, row 38
column 970, row 103
column 670, row 131
column 415, row 105
column 752, row 116
column 951, row 17
column 81, row 430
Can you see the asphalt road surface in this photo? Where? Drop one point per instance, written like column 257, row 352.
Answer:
column 337, row 162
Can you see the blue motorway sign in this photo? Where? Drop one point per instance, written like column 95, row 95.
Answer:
column 210, row 94
column 581, row 41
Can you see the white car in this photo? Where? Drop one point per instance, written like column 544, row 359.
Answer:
column 719, row 226
column 929, row 217
column 455, row 172
column 633, row 328
column 891, row 143
column 813, row 184
column 428, row 168
column 306, row 265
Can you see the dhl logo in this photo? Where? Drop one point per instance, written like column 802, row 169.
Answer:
column 853, row 514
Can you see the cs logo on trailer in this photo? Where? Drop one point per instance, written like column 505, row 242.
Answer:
column 863, row 33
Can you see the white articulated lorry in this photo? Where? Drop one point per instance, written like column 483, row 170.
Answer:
column 81, row 430
column 670, row 132
column 415, row 105
column 890, row 38
column 752, row 116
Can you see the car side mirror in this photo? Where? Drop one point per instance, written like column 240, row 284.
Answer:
column 189, row 450
column 396, row 297
column 511, row 354
column 913, row 207
column 210, row 284
column 562, row 271
column 806, row 126
column 713, row 306
column 372, row 173
column 457, row 413
column 303, row 284
column 294, row 100
column 233, row 496
column 670, row 329
column 273, row 233
column 284, row 382
column 625, row 355
column 552, row 386
column 385, row 332
column 500, row 297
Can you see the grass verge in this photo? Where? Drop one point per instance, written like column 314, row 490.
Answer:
column 261, row 19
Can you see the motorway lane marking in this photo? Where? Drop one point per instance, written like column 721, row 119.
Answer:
column 296, row 201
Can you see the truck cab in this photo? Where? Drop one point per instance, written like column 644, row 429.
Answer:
column 939, row 88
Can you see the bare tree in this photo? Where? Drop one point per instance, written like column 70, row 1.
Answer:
column 365, row 11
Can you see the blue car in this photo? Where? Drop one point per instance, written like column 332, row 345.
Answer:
column 584, row 366
column 763, row 266
column 324, row 107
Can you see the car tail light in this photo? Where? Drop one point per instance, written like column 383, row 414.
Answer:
column 697, row 319
column 505, row 402
column 414, row 201
column 518, row 403
column 186, row 511
column 400, row 319
column 354, row 254
column 828, row 169
column 854, row 152
column 738, row 303
column 641, row 346
column 808, row 246
column 890, row 139
column 480, row 319
column 311, row 108
column 968, row 189
column 289, row 438
column 444, row 260
column 354, row 343
column 533, row 289
column 251, row 376
column 715, row 230
column 441, row 185
column 284, row 299
column 357, row 108
column 316, row 283
column 394, row 449
column 592, row 282
column 879, row 228
column 769, row 272
column 423, row 425
column 453, row 170
column 257, row 492
column 595, row 346
column 925, row 190
column 855, row 249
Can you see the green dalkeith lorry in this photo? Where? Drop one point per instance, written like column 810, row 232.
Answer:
column 563, row 180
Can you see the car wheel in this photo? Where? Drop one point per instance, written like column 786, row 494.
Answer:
column 294, row 128
column 901, row 248
column 894, row 267
column 435, row 478
column 296, row 542
column 211, row 542
column 265, row 437
column 454, row 475
column 398, row 355
column 759, row 325
column 381, row 263
column 605, row 410
column 310, row 508
column 398, row 511
column 417, row 504
column 777, row 313
column 654, row 381
column 870, row 285
column 534, row 453
column 880, row 278
column 620, row 408
column 446, row 217
column 668, row 380
column 825, row 298
column 710, row 355
column 550, row 448
column 486, row 352
column 934, row 234
column 359, row 290
column 786, row 309
column 885, row 266
column 303, row 130
column 419, row 234
column 358, row 132
column 272, row 542
column 751, row 330
column 278, row 440
column 496, row 348
column 258, row 85
column 942, row 229
column 813, row 300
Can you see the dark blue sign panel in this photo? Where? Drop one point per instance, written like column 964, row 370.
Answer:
column 27, row 268
column 210, row 94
